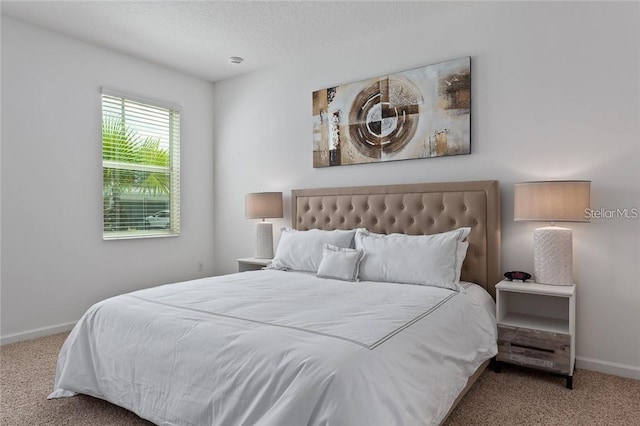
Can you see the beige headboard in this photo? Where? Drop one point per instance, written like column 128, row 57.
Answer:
column 424, row 208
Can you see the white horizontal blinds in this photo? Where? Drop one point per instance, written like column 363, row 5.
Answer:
column 141, row 168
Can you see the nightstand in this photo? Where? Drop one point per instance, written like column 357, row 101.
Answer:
column 252, row 264
column 537, row 327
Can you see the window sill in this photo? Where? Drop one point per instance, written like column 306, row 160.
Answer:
column 130, row 235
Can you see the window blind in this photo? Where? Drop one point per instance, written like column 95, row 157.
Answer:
column 140, row 168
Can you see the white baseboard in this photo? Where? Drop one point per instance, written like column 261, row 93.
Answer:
column 36, row 332
column 623, row 370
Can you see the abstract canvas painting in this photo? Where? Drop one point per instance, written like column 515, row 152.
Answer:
column 419, row 113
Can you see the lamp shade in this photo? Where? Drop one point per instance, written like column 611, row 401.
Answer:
column 262, row 205
column 552, row 201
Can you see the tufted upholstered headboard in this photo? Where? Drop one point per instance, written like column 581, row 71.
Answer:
column 424, row 208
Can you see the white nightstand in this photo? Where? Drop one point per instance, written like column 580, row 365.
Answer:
column 252, row 264
column 537, row 327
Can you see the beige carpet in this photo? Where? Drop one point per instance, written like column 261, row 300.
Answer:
column 513, row 397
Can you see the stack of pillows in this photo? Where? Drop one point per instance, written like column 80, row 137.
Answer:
column 433, row 260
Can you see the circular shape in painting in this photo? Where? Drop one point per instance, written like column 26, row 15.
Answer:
column 384, row 116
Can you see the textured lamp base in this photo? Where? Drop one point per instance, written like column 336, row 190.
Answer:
column 552, row 254
column 264, row 240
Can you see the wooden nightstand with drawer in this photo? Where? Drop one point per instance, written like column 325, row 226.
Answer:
column 536, row 327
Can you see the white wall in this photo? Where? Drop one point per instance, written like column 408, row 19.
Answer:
column 556, row 90
column 54, row 261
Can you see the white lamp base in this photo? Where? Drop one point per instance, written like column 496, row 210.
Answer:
column 264, row 240
column 552, row 255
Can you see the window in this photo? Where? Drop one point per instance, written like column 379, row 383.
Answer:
column 140, row 168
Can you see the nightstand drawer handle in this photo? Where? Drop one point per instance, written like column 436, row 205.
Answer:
column 532, row 347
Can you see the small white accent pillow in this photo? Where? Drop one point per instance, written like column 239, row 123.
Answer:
column 302, row 250
column 411, row 259
column 340, row 263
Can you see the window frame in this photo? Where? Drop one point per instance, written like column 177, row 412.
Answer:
column 174, row 132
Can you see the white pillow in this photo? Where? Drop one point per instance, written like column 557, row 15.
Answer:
column 340, row 263
column 411, row 259
column 461, row 253
column 302, row 250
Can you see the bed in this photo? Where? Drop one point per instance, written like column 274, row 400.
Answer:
column 286, row 347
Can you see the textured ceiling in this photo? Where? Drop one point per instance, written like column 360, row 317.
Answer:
column 198, row 37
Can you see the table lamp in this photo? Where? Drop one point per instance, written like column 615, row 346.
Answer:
column 263, row 205
column 552, row 201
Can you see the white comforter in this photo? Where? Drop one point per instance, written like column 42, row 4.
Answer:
column 280, row 348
